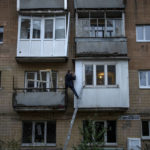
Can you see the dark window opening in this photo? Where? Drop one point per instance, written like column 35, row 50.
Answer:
column 1, row 33
column 145, row 128
column 111, row 131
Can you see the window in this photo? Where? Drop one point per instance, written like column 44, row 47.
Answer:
column 1, row 34
column 40, row 80
column 143, row 33
column 39, row 133
column 100, row 24
column 100, row 75
column 146, row 129
column 106, row 128
column 32, row 28
column 144, row 79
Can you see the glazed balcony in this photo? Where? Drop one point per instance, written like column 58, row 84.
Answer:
column 100, row 33
column 39, row 99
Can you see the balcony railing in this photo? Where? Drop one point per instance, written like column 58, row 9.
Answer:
column 39, row 99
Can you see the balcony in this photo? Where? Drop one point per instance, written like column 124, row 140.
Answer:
column 44, row 4
column 102, row 85
column 43, row 39
column 100, row 33
column 38, row 99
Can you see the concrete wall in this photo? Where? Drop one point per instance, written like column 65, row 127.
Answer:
column 103, row 97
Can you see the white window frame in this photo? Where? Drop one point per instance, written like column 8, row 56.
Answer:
column 105, row 74
column 42, row 27
column 105, row 134
column 146, row 137
column 33, row 135
column 144, row 33
column 147, row 86
column 35, row 78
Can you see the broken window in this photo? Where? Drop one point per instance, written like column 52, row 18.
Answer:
column 39, row 132
column 100, row 131
column 144, row 79
column 142, row 33
column 99, row 75
column 100, row 24
column 41, row 79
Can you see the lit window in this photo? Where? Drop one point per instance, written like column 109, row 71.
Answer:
column 1, row 34
column 98, row 75
column 99, row 131
column 144, row 79
column 40, row 133
column 146, row 129
column 143, row 33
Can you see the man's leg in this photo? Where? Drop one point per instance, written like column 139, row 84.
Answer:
column 74, row 91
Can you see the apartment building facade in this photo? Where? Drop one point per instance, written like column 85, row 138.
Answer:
column 106, row 44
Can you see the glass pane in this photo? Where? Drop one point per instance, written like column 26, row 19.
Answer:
column 142, row 78
column 51, row 132
column 145, row 128
column 54, row 75
column 39, row 132
column 111, row 131
column 48, row 29
column 25, row 29
column 111, row 75
column 60, row 28
column 88, row 74
column 147, row 32
column 30, row 80
column 87, row 131
column 100, row 75
column 140, row 32
column 100, row 28
column 93, row 27
column 36, row 29
column 99, row 131
column 109, row 28
column 1, row 33
column 27, row 132
column 148, row 77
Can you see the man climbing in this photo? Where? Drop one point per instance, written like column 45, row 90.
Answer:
column 69, row 82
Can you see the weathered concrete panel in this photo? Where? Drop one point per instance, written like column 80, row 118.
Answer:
column 30, row 99
column 35, row 4
column 101, row 46
column 99, row 4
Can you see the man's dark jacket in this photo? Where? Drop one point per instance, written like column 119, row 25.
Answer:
column 69, row 80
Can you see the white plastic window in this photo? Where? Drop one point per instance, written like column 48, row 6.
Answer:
column 144, row 79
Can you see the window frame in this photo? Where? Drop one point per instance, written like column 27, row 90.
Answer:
column 146, row 137
column 105, row 134
column 42, row 33
column 144, row 33
column 147, row 86
column 105, row 75
column 1, row 42
column 33, row 134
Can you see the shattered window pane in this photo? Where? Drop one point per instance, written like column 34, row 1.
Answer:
column 39, row 132
column 27, row 132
